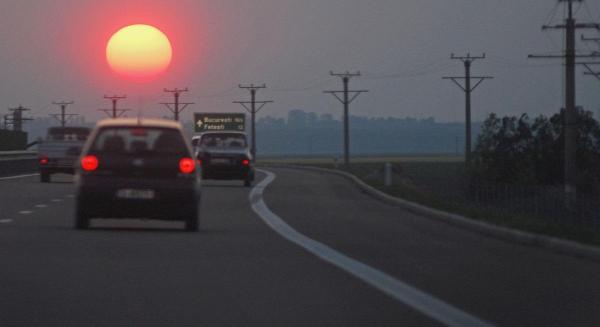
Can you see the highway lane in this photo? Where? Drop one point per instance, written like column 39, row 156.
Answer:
column 501, row 282
column 235, row 272
column 238, row 271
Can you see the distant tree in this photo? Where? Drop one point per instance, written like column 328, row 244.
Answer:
column 516, row 150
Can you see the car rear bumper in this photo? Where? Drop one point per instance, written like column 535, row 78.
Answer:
column 172, row 200
column 225, row 172
column 52, row 169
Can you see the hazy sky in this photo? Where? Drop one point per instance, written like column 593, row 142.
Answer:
column 54, row 50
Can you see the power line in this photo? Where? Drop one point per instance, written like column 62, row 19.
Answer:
column 346, row 100
column 468, row 89
column 253, row 110
column 174, row 107
column 115, row 112
column 63, row 117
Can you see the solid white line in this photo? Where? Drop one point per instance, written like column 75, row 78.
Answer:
column 426, row 304
column 18, row 176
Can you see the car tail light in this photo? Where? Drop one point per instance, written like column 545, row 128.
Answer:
column 246, row 162
column 187, row 165
column 44, row 160
column 89, row 163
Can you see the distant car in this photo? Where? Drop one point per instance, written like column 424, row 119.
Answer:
column 59, row 152
column 137, row 168
column 224, row 156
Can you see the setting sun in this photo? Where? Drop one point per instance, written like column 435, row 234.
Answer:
column 139, row 51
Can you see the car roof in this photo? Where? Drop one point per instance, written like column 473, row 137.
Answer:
column 145, row 122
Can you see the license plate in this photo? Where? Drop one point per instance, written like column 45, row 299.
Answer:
column 220, row 161
column 135, row 194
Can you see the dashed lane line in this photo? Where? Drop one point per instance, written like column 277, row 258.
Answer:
column 56, row 200
column 6, row 221
column 40, row 206
column 425, row 303
column 26, row 212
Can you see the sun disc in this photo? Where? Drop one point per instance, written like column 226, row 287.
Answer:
column 139, row 51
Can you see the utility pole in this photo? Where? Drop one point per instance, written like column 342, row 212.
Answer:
column 114, row 112
column 346, row 99
column 17, row 117
column 570, row 121
column 253, row 110
column 176, row 110
column 468, row 89
column 63, row 117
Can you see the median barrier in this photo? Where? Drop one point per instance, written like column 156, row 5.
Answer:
column 18, row 162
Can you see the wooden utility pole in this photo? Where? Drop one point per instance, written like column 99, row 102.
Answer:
column 114, row 112
column 176, row 107
column 253, row 110
column 468, row 89
column 347, row 97
column 63, row 117
column 570, row 121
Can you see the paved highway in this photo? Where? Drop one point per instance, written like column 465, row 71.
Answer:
column 302, row 249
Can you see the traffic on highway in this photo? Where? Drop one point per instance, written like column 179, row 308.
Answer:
column 299, row 163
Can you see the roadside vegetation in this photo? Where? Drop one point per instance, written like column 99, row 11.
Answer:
column 515, row 179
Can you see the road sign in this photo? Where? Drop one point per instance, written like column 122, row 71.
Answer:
column 205, row 122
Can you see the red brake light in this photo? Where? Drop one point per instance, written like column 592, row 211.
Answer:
column 89, row 163
column 187, row 165
column 44, row 160
column 246, row 162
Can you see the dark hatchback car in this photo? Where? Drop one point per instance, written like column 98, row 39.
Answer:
column 224, row 156
column 137, row 168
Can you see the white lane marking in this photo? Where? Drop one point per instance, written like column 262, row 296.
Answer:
column 427, row 304
column 70, row 196
column 25, row 212
column 40, row 206
column 56, row 200
column 6, row 221
column 18, row 176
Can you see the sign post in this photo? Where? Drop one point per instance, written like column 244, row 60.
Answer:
column 207, row 122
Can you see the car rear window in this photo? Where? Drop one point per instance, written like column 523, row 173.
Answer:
column 139, row 141
column 223, row 140
column 68, row 133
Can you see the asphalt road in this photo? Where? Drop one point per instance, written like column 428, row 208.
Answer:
column 239, row 271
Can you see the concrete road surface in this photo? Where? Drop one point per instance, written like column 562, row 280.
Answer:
column 244, row 269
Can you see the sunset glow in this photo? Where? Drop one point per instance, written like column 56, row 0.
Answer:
column 139, row 51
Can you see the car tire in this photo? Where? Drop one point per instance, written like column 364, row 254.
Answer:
column 44, row 177
column 191, row 220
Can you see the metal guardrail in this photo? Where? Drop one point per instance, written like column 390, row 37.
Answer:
column 18, row 162
column 18, row 155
